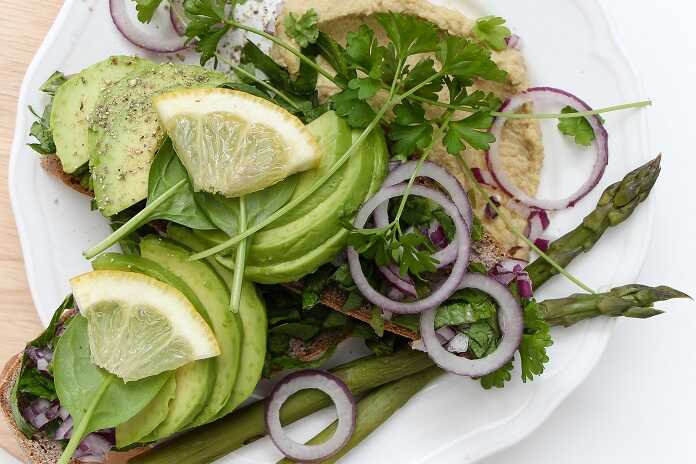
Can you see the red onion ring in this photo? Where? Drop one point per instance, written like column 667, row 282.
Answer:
column 511, row 326
column 177, row 16
column 448, row 287
column 561, row 97
column 136, row 35
column 331, row 386
column 451, row 185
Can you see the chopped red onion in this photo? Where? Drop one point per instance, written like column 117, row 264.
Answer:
column 458, row 344
column 490, row 212
column 445, row 334
column 64, row 430
column 93, row 448
column 436, row 234
column 403, row 284
column 514, row 41
column 395, row 294
column 562, row 98
column 447, row 288
column 542, row 244
column 484, row 176
column 510, row 270
column 41, row 356
column 509, row 319
column 331, row 386
column 40, row 412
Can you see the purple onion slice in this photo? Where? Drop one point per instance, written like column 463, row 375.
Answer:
column 448, row 287
column 561, row 98
column 137, row 35
column 509, row 319
column 331, row 386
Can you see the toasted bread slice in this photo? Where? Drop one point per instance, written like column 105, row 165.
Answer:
column 52, row 165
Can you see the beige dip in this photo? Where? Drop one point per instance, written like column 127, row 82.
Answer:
column 521, row 145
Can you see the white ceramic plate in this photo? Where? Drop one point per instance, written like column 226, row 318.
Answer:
column 568, row 44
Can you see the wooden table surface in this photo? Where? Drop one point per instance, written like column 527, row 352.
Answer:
column 23, row 25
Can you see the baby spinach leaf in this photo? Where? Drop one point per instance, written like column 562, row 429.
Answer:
column 166, row 171
column 224, row 212
column 78, row 380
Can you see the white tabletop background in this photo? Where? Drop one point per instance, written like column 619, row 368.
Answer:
column 639, row 404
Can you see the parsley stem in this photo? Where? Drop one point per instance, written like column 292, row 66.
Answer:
column 240, row 260
column 440, row 131
column 510, row 115
column 284, row 45
column 609, row 109
column 253, row 77
column 518, row 234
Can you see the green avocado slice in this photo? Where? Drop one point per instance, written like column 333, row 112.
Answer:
column 324, row 247
column 213, row 294
column 124, row 131
column 252, row 312
column 74, row 102
column 193, row 382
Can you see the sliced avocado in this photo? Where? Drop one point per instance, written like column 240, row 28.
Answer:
column 74, row 102
column 254, row 324
column 124, row 131
column 215, row 297
column 275, row 245
column 333, row 136
column 325, row 248
column 194, row 381
column 147, row 420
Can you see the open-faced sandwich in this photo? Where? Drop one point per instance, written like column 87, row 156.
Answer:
column 363, row 169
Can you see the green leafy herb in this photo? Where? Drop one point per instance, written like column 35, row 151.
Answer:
column 207, row 24
column 535, row 340
column 303, row 29
column 472, row 131
column 348, row 104
column 477, row 268
column 491, row 30
column 53, row 82
column 465, row 307
column 41, row 131
column 579, row 128
column 497, row 378
column 146, row 9
column 466, row 60
column 95, row 399
column 353, row 302
column 343, row 277
column 376, row 321
column 314, row 285
column 477, row 230
column 411, row 130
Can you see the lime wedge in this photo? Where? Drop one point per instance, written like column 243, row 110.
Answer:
column 139, row 326
column 234, row 143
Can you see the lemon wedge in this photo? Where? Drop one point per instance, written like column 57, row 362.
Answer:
column 138, row 326
column 234, row 143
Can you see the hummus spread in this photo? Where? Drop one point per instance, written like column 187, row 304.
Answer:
column 521, row 145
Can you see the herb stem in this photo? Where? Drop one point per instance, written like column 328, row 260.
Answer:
column 134, row 222
column 81, row 429
column 510, row 115
column 580, row 114
column 518, row 234
column 265, row 84
column 440, row 131
column 240, row 260
column 286, row 46
column 391, row 101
